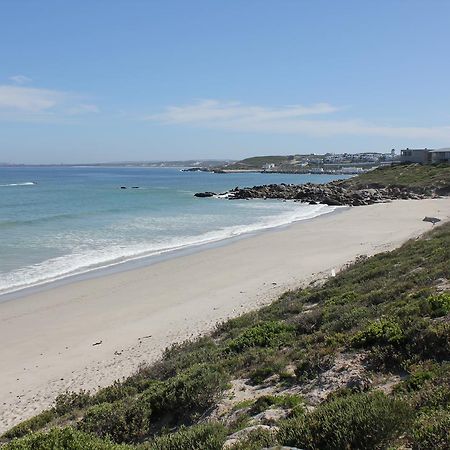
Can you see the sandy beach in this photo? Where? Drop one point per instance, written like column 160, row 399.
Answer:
column 47, row 338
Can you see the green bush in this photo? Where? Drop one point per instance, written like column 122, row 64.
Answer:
column 63, row 439
column 432, row 431
column 434, row 393
column 256, row 440
column 440, row 304
column 122, row 422
column 30, row 425
column 195, row 390
column 308, row 322
column 379, row 332
column 343, row 317
column 269, row 334
column 180, row 357
column 265, row 363
column 175, row 400
column 116, row 391
column 209, row 436
column 312, row 364
column 70, row 401
column 419, row 376
column 258, row 375
column 264, row 402
column 358, row 421
column 432, row 341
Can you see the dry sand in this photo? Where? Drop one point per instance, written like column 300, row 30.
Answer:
column 47, row 337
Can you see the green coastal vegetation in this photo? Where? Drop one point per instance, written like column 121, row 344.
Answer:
column 358, row 361
column 417, row 177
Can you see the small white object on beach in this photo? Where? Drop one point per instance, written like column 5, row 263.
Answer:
column 333, row 273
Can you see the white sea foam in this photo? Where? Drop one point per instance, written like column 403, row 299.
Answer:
column 85, row 259
column 27, row 183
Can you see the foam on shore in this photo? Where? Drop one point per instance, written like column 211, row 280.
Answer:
column 82, row 261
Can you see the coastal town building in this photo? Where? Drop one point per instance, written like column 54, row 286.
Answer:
column 415, row 155
column 425, row 155
column 352, row 170
column 268, row 166
column 440, row 156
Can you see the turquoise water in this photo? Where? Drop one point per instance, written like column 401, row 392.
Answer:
column 56, row 222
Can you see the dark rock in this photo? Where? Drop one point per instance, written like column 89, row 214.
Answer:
column 358, row 383
column 204, row 194
column 432, row 220
column 330, row 194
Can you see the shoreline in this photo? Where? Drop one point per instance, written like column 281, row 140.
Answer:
column 47, row 337
column 144, row 260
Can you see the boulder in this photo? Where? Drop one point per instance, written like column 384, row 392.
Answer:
column 204, row 194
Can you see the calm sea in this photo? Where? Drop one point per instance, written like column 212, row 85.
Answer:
column 56, row 222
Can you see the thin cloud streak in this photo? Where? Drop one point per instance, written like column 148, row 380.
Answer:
column 235, row 116
column 213, row 110
column 23, row 103
column 18, row 98
column 20, row 79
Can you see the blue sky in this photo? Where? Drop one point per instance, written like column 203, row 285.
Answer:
column 87, row 81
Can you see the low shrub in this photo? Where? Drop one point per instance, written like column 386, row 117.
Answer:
column 63, row 439
column 379, row 332
column 179, row 357
column 434, row 393
column 269, row 334
column 116, row 391
column 30, row 425
column 342, row 318
column 121, row 422
column 419, row 375
column 432, row 341
column 439, row 304
column 175, row 400
column 288, row 401
column 308, row 322
column 70, row 401
column 256, row 439
column 312, row 364
column 358, row 421
column 194, row 390
column 432, row 431
column 260, row 374
column 209, row 436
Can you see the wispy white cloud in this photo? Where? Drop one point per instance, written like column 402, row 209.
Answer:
column 20, row 79
column 210, row 111
column 293, row 119
column 30, row 100
column 83, row 108
column 30, row 103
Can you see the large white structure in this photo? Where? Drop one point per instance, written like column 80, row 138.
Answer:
column 415, row 155
column 440, row 156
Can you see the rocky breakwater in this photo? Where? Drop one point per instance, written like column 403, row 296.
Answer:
column 331, row 194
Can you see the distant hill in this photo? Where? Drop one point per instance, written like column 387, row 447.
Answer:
column 259, row 162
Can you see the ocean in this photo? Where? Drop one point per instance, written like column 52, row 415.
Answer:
column 57, row 222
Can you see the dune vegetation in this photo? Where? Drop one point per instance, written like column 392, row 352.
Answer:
column 416, row 177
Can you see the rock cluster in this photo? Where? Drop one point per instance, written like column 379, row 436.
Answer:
column 204, row 194
column 331, row 194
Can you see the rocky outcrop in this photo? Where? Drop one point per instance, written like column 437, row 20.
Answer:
column 204, row 194
column 331, row 194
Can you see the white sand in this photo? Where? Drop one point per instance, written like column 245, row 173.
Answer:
column 46, row 338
